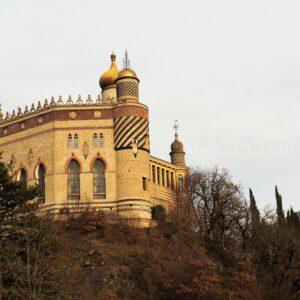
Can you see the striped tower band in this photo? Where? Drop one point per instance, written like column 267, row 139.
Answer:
column 129, row 128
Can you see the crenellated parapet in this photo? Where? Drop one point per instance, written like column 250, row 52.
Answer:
column 47, row 105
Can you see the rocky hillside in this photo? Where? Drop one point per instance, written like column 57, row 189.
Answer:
column 98, row 261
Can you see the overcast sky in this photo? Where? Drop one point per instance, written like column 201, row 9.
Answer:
column 227, row 70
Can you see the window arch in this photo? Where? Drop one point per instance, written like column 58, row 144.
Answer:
column 70, row 141
column 73, row 180
column 95, row 140
column 41, row 172
column 101, row 140
column 76, row 141
column 22, row 176
column 99, row 183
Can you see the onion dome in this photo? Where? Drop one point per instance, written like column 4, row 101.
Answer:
column 127, row 73
column 176, row 146
column 109, row 77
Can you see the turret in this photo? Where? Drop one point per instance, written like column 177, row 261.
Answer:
column 127, row 84
column 177, row 153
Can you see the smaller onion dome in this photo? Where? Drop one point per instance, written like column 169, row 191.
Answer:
column 127, row 73
column 109, row 77
column 176, row 146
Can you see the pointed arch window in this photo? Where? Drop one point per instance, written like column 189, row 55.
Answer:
column 95, row 140
column 73, row 180
column 99, row 181
column 22, row 176
column 41, row 182
column 76, row 141
column 101, row 140
column 70, row 141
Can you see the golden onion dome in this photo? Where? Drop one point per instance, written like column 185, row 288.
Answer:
column 109, row 77
column 127, row 73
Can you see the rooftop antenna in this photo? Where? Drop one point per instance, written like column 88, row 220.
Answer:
column 175, row 127
column 126, row 61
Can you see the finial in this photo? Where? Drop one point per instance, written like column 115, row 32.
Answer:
column 60, row 101
column 39, row 106
column 126, row 61
column 52, row 102
column 175, row 127
column 46, row 103
column 32, row 108
column 26, row 110
column 19, row 111
column 113, row 56
column 79, row 100
column 98, row 101
column 7, row 115
column 69, row 102
column 13, row 114
column 89, row 100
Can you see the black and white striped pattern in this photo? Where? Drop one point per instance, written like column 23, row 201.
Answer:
column 131, row 128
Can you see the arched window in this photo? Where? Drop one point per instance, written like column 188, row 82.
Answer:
column 101, row 140
column 180, row 182
column 73, row 180
column 41, row 182
column 172, row 180
column 153, row 174
column 168, row 178
column 22, row 176
column 76, row 141
column 95, row 140
column 158, row 175
column 99, row 179
column 70, row 141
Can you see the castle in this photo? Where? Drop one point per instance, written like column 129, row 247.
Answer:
column 93, row 153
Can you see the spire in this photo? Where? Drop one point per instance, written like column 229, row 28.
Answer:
column 126, row 61
column 175, row 127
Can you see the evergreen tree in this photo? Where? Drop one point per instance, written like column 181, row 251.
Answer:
column 279, row 210
column 255, row 215
column 13, row 194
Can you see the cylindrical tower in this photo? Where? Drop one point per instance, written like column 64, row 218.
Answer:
column 177, row 154
column 132, row 150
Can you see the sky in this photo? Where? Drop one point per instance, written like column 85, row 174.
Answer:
column 228, row 71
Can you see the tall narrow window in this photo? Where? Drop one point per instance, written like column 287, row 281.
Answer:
column 172, row 180
column 158, row 175
column 76, row 141
column 99, row 179
column 163, row 177
column 73, row 180
column 22, row 176
column 70, row 141
column 144, row 183
column 41, row 183
column 180, row 183
column 168, row 178
column 153, row 174
column 95, row 140
column 101, row 140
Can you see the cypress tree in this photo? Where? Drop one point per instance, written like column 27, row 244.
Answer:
column 255, row 215
column 279, row 210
